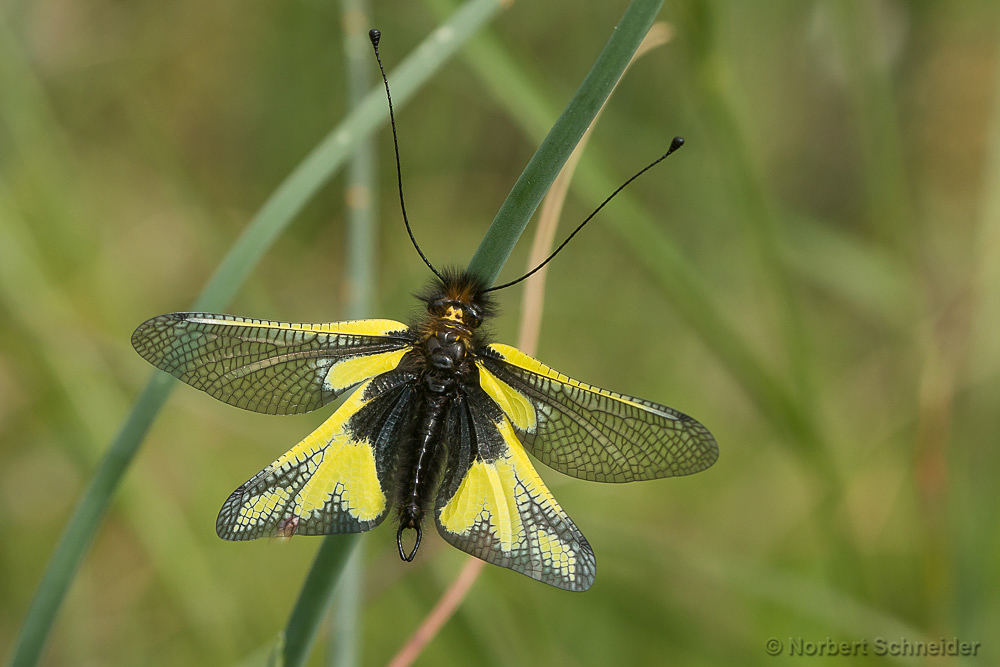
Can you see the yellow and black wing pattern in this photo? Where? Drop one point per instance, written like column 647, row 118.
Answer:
column 275, row 368
column 421, row 404
column 333, row 481
column 493, row 505
column 336, row 480
column 589, row 432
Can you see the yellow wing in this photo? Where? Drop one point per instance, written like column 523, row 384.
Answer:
column 493, row 505
column 589, row 432
column 337, row 479
column 270, row 367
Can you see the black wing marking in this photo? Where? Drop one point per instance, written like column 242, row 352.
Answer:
column 270, row 367
column 339, row 479
column 493, row 505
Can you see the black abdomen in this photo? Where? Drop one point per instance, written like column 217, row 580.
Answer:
column 420, row 464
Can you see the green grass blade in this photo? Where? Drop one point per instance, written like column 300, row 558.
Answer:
column 344, row 648
column 314, row 598
column 82, row 526
column 489, row 259
column 362, row 174
column 333, row 556
column 277, row 212
column 331, row 567
column 559, row 143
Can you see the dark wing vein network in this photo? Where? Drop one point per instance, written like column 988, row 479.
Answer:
column 337, row 480
column 493, row 505
column 595, row 434
column 262, row 366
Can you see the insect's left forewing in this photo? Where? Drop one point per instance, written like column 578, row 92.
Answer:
column 493, row 505
column 589, row 432
column 337, row 480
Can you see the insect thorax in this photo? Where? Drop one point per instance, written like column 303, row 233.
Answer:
column 456, row 307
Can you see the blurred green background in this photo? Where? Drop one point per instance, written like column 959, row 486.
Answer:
column 825, row 300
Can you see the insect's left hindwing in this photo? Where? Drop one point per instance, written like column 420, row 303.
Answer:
column 493, row 505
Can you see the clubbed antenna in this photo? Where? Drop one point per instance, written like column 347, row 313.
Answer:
column 674, row 145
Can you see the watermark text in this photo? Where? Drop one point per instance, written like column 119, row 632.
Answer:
column 894, row 647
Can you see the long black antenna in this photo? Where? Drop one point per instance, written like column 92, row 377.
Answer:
column 374, row 35
column 674, row 145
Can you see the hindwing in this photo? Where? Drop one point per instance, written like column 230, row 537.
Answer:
column 336, row 480
column 270, row 367
column 493, row 505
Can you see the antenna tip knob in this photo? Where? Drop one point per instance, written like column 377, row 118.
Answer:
column 676, row 143
column 374, row 35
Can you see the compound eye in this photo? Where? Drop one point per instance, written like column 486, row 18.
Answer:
column 438, row 306
column 473, row 316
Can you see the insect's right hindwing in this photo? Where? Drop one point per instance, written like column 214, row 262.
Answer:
column 339, row 479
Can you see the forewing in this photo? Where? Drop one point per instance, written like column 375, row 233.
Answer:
column 493, row 505
column 270, row 367
column 336, row 480
column 589, row 432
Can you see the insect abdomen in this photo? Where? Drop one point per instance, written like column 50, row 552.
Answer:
column 421, row 468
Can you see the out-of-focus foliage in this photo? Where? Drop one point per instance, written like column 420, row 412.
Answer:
column 835, row 200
